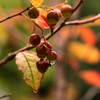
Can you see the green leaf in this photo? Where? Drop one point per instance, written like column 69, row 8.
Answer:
column 26, row 62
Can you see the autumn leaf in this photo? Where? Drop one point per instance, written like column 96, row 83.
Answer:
column 26, row 62
column 42, row 21
column 42, row 12
column 87, row 35
column 84, row 52
column 36, row 2
column 91, row 77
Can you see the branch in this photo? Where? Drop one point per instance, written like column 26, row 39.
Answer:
column 6, row 95
column 77, row 22
column 10, row 56
column 14, row 15
column 77, row 6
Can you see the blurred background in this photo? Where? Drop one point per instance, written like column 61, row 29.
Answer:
column 76, row 75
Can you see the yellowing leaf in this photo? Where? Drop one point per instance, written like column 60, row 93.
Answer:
column 36, row 2
column 84, row 52
column 91, row 77
column 42, row 12
column 26, row 62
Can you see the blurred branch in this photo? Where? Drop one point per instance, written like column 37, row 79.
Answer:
column 14, row 15
column 90, row 93
column 6, row 95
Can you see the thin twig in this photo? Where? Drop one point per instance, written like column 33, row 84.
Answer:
column 6, row 95
column 14, row 15
column 77, row 22
column 33, row 28
column 77, row 6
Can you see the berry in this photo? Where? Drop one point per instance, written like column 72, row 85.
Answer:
column 42, row 65
column 52, row 17
column 49, row 46
column 41, row 50
column 33, row 12
column 66, row 10
column 52, row 56
column 35, row 39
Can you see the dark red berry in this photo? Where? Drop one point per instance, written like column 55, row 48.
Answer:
column 42, row 65
column 52, row 56
column 52, row 17
column 66, row 10
column 33, row 12
column 41, row 51
column 49, row 46
column 35, row 39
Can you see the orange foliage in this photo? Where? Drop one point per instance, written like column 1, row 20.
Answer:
column 91, row 77
column 88, row 36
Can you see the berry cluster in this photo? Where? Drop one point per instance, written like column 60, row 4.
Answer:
column 43, row 50
column 53, row 15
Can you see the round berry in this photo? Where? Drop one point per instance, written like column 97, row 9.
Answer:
column 52, row 56
column 33, row 12
column 66, row 10
column 52, row 17
column 35, row 39
column 41, row 51
column 49, row 46
column 42, row 65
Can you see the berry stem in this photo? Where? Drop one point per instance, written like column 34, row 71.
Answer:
column 58, row 5
column 34, row 23
column 28, row 43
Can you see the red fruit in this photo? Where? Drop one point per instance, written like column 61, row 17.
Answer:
column 52, row 17
column 35, row 39
column 66, row 10
column 33, row 12
column 41, row 50
column 42, row 65
column 49, row 46
column 52, row 56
